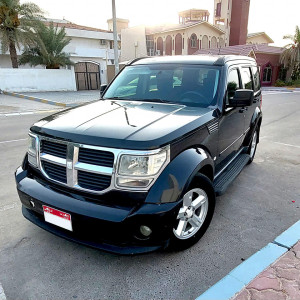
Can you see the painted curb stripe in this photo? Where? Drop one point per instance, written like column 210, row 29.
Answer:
column 289, row 237
column 42, row 100
column 2, row 295
column 244, row 273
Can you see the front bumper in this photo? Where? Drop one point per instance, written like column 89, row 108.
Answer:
column 98, row 223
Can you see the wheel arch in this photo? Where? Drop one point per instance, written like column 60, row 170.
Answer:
column 178, row 174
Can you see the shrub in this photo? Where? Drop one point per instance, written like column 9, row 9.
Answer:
column 279, row 83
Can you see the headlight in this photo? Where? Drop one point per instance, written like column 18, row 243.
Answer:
column 142, row 165
column 32, row 151
column 139, row 171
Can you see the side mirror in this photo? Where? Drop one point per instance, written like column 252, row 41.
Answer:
column 242, row 98
column 102, row 89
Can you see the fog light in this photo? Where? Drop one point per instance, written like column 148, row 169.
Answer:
column 145, row 230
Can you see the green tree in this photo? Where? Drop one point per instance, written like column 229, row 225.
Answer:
column 16, row 22
column 47, row 48
column 290, row 58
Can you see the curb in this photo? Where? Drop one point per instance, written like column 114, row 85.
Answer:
column 239, row 277
column 2, row 295
column 51, row 102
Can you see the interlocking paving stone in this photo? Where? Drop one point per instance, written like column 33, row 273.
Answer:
column 279, row 281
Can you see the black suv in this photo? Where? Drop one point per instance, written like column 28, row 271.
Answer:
column 139, row 169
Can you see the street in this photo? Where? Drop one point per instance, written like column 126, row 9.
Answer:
column 261, row 203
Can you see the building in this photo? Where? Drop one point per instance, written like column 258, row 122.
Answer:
column 91, row 50
column 258, row 38
column 267, row 57
column 193, row 32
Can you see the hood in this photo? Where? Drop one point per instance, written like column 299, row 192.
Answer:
column 124, row 124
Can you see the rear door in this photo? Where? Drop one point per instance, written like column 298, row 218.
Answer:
column 232, row 121
column 250, row 81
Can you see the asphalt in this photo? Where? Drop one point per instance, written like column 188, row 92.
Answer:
column 256, row 208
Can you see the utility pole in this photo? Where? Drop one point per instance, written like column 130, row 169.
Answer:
column 115, row 38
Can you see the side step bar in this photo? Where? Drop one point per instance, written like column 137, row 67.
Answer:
column 222, row 182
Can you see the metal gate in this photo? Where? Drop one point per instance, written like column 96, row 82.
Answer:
column 87, row 76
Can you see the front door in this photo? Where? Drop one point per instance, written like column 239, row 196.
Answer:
column 232, row 123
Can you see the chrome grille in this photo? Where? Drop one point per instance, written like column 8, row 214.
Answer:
column 78, row 166
column 55, row 172
column 96, row 157
column 91, row 181
column 55, row 149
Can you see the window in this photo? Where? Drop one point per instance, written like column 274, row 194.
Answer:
column 191, row 85
column 233, row 83
column 193, row 41
column 218, row 10
column 256, row 79
column 267, row 74
column 247, row 79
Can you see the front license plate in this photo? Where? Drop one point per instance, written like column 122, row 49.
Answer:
column 57, row 217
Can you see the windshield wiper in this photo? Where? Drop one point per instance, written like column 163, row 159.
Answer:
column 158, row 100
column 115, row 98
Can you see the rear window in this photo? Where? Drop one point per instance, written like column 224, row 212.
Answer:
column 256, row 78
column 247, row 78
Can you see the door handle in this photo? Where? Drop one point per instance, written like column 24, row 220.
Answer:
column 243, row 109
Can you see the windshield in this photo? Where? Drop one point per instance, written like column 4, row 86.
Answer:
column 192, row 85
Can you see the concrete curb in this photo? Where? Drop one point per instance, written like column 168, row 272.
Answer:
column 51, row 102
column 2, row 295
column 239, row 277
column 279, row 89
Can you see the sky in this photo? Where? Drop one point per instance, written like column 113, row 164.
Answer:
column 276, row 17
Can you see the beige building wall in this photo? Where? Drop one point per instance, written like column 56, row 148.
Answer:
column 223, row 22
column 121, row 24
column 133, row 43
column 260, row 39
column 202, row 31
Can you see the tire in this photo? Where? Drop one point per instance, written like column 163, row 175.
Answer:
column 193, row 218
column 252, row 147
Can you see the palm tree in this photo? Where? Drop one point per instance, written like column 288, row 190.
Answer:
column 47, row 48
column 291, row 55
column 16, row 20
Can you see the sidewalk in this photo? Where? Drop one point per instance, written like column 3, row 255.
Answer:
column 64, row 99
column 273, row 273
column 279, row 281
column 279, row 89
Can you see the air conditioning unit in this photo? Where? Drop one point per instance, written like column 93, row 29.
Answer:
column 102, row 42
column 157, row 52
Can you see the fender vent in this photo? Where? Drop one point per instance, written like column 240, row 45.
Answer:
column 213, row 127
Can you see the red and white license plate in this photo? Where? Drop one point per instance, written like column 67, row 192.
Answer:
column 57, row 217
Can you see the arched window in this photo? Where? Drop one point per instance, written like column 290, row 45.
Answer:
column 213, row 43
column 159, row 46
column 193, row 41
column 267, row 74
column 168, row 50
column 205, row 42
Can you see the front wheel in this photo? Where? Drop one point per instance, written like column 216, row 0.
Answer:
column 194, row 215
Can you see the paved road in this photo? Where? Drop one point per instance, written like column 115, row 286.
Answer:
column 257, row 207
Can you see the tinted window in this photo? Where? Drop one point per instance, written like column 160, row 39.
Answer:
column 233, row 83
column 192, row 85
column 247, row 79
column 256, row 79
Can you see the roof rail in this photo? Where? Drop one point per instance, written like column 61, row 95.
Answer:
column 135, row 60
column 220, row 61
